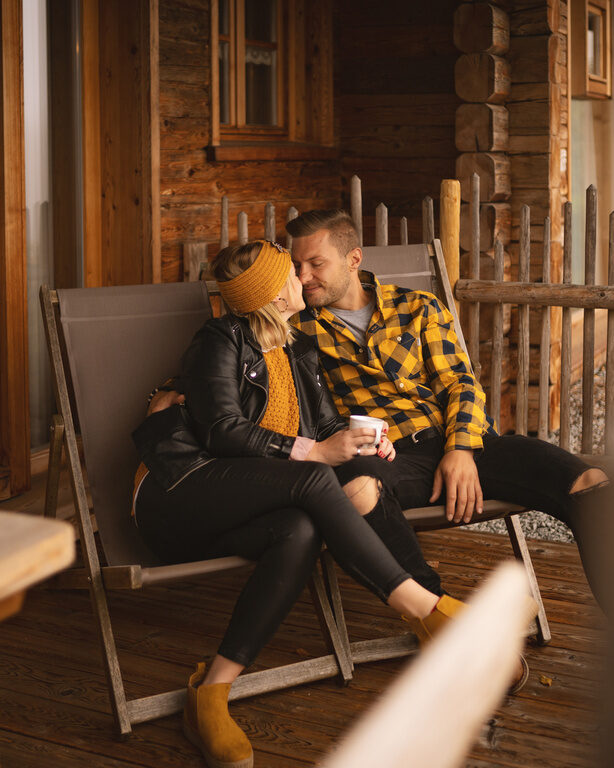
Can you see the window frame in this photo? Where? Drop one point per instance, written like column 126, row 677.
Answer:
column 237, row 128
column 586, row 84
column 298, row 135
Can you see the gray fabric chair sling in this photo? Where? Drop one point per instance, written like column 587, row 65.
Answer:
column 422, row 267
column 108, row 347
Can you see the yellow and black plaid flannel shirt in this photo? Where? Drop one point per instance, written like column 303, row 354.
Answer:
column 412, row 372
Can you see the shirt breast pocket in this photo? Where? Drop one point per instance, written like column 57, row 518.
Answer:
column 401, row 355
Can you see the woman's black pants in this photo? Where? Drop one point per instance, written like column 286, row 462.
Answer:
column 273, row 511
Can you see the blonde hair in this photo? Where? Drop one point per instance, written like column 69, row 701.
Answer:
column 266, row 323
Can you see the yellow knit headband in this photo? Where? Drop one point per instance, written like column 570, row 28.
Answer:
column 260, row 282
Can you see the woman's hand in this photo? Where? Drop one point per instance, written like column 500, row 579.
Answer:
column 386, row 449
column 343, row 446
column 163, row 400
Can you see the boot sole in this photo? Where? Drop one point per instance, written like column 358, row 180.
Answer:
column 525, row 676
column 211, row 761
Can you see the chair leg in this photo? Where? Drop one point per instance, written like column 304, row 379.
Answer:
column 521, row 552
column 329, row 626
column 332, row 586
column 56, row 436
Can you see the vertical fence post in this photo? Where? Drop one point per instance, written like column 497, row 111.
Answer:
column 473, row 315
column 356, row 204
column 381, row 225
column 522, row 375
column 292, row 214
column 565, row 434
column 449, row 228
column 588, row 346
column 224, row 239
column 269, row 222
column 242, row 230
column 195, row 261
column 428, row 220
column 544, row 352
column 497, row 341
column 404, row 237
column 609, row 370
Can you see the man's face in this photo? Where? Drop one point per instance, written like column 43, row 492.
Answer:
column 325, row 274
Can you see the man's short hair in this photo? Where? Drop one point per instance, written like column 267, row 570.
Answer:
column 339, row 224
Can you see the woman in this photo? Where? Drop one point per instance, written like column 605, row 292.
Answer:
column 258, row 481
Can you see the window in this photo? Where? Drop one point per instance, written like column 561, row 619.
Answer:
column 271, row 78
column 250, row 65
column 591, row 48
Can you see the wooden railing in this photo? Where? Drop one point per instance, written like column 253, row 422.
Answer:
column 524, row 293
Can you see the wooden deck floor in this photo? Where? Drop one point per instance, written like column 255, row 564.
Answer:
column 53, row 701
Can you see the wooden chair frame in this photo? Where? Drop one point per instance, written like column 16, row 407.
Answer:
column 100, row 578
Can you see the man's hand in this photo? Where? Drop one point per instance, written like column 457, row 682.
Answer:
column 458, row 472
column 163, row 400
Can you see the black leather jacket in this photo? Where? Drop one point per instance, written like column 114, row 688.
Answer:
column 225, row 381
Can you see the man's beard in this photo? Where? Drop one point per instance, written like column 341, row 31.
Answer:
column 327, row 295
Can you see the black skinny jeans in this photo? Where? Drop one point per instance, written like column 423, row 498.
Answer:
column 513, row 468
column 276, row 512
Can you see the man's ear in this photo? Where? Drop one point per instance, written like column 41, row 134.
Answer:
column 354, row 258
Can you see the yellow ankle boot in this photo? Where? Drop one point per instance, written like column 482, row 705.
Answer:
column 447, row 607
column 208, row 725
column 426, row 628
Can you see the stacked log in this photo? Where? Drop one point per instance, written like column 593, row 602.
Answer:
column 482, row 81
column 513, row 132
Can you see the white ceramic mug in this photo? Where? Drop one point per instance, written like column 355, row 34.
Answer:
column 369, row 422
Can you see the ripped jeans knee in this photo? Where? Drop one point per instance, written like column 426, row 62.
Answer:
column 364, row 492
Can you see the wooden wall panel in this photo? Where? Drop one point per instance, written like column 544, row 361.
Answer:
column 396, row 105
column 14, row 398
column 126, row 141
column 63, row 142
column 191, row 185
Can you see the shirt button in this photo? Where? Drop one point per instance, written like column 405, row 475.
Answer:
column 401, row 385
column 399, row 338
column 360, row 350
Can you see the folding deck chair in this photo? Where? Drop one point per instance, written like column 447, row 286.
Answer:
column 422, row 267
column 108, row 346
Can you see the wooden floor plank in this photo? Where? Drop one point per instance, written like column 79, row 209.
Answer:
column 55, row 711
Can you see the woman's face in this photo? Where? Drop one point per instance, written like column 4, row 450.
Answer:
column 292, row 292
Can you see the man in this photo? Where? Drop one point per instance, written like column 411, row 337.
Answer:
column 392, row 353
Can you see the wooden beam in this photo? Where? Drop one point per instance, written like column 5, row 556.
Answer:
column 14, row 392
column 449, row 228
column 90, row 126
column 536, row 294
column 151, row 138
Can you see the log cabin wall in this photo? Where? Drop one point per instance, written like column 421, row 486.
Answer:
column 517, row 117
column 192, row 184
column 395, row 105
column 538, row 153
